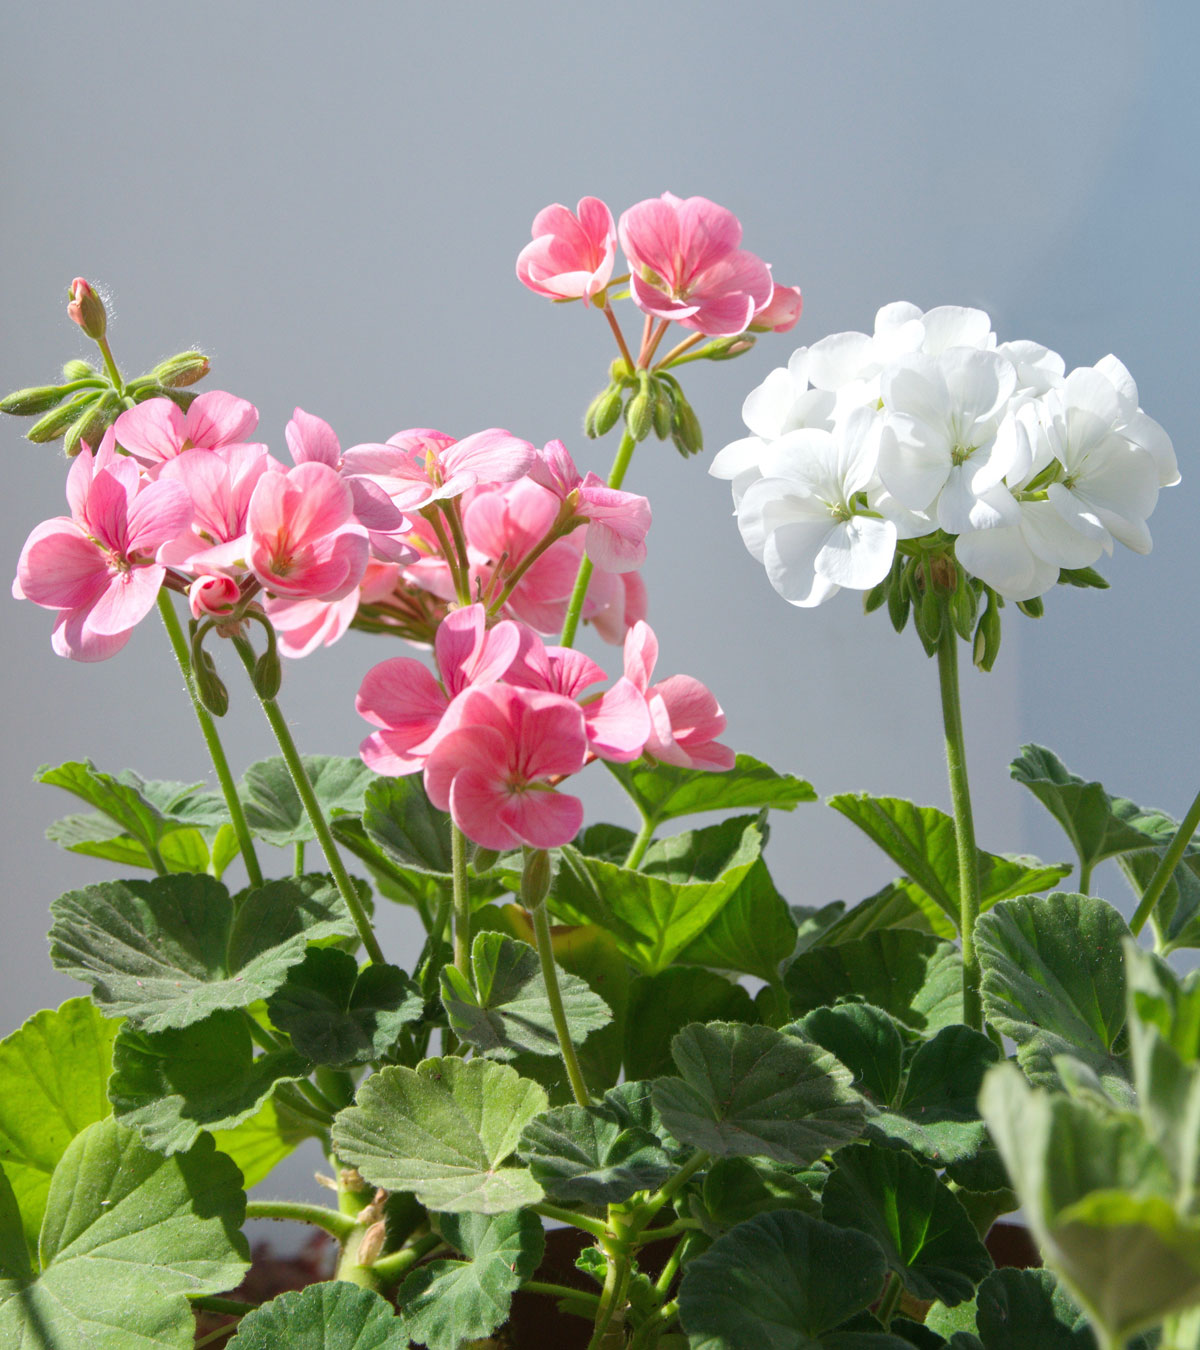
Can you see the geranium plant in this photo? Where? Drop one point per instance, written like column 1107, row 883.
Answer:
column 771, row 1126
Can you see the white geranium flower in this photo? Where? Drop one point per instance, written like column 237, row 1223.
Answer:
column 1143, row 431
column 939, row 450
column 801, row 520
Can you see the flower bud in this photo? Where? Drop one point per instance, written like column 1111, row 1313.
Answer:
column 52, row 426
column 664, row 414
column 90, row 426
column 29, row 402
column 607, row 410
column 209, row 688
column 79, row 370
column 639, row 414
column 371, row 1246
column 964, row 605
column 689, row 439
column 929, row 619
column 1035, row 608
column 87, row 309
column 727, row 348
column 211, row 597
column 484, row 859
column 268, row 670
column 1082, row 576
column 535, row 879
column 186, row 368
column 180, row 397
column 619, row 371
column 876, row 596
column 987, row 634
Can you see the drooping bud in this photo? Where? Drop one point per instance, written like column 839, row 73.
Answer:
column 639, row 413
column 607, row 410
column 876, row 596
column 664, row 414
column 929, row 619
column 268, row 670
column 1082, row 576
column 535, row 879
column 964, row 605
column 55, row 423
column 1035, row 608
column 689, row 439
column 30, row 402
column 213, row 597
column 987, row 634
column 620, row 371
column 176, row 372
column 898, row 601
column 727, row 348
column 484, row 859
column 87, row 309
column 182, row 398
column 209, row 687
column 79, row 370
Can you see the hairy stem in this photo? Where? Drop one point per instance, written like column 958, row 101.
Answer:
column 338, row 1226
column 637, row 850
column 462, row 904
column 545, row 950
column 212, row 740
column 1162, row 873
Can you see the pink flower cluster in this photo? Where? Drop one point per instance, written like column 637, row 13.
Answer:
column 686, row 264
column 507, row 718
column 194, row 504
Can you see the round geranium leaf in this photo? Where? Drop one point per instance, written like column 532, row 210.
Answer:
column 330, row 1316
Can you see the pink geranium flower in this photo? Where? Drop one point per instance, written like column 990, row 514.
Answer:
column 211, row 597
column 402, row 698
column 685, row 718
column 571, row 254
column 617, row 521
column 686, row 265
column 304, row 541
column 157, row 430
column 220, row 483
column 97, row 567
column 495, row 770
column 781, row 313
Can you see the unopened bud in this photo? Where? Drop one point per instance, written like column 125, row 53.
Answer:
column 987, row 634
column 30, row 402
column 213, row 597
column 182, row 399
column 726, row 348
column 1034, row 607
column 608, row 409
column 176, row 372
column 535, row 879
column 371, row 1247
column 211, row 691
column 52, row 426
column 268, row 670
column 78, row 370
column 1082, row 576
column 964, row 605
column 876, row 596
column 639, row 414
column 664, row 414
column 620, row 370
column 89, row 429
column 929, row 619
column 689, row 439
column 87, row 309
column 484, row 859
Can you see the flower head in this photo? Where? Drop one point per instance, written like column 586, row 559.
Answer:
column 571, row 255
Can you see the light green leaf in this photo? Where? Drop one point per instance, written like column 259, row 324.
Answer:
column 508, row 1010
column 167, row 952
column 337, row 1014
column 128, row 1234
column 1054, row 980
column 53, row 1073
column 662, row 791
column 442, row 1131
column 95, row 836
column 783, row 1281
column 273, row 807
column 1176, row 916
column 170, row 1085
column 927, row 1238
column 258, row 1144
column 755, row 1092
column 16, row 1269
column 588, row 1155
column 754, row 933
column 401, row 821
column 663, row 1004
column 333, row 1315
column 915, row 978
column 448, row 1302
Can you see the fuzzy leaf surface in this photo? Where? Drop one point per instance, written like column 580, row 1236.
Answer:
column 273, row 807
column 663, row 791
column 334, row 1315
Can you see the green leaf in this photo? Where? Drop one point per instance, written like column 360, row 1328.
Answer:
column 508, row 1010
column 443, row 1130
column 921, row 841
column 588, row 1155
column 736, row 1189
column 915, row 978
column 16, row 1270
column 783, row 1281
column 333, row 1315
column 662, row 791
column 927, row 1238
column 53, row 1072
column 754, row 933
column 273, row 807
column 96, row 836
column 753, row 1091
column 866, row 1040
column 895, row 906
column 337, row 1014
column 171, row 1085
column 258, row 1144
column 448, row 1302
column 1018, row 1309
column 167, row 952
column 936, row 1114
column 1176, row 916
column 655, row 913
column 128, row 1234
column 401, row 821
column 663, row 1004
column 1054, row 980
column 1095, row 1191
column 1098, row 826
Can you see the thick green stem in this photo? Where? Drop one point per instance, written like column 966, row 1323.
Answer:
column 560, row 1291
column 610, row 1318
column 648, row 1333
column 338, row 1226
column 391, row 1269
column 964, row 823
column 545, row 950
column 890, row 1300
column 1085, row 878
column 212, row 740
column 668, row 1191
column 568, row 1216
column 462, row 903
column 1162, row 873
column 312, row 808
column 575, row 606
column 637, row 850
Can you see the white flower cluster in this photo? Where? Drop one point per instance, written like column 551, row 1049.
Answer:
column 928, row 424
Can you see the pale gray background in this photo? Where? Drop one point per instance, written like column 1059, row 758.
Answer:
column 329, row 200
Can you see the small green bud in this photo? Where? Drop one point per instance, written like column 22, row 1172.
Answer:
column 688, row 436
column 90, row 426
column 55, row 423
column 639, row 414
column 209, row 687
column 180, row 397
column 608, row 409
column 268, row 673
column 29, row 402
column 929, row 619
column 79, row 370
column 664, row 414
column 1034, row 608
column 898, row 603
column 535, row 879
column 727, row 348
column 484, row 859
column 987, row 635
column 964, row 605
column 1082, row 576
column 876, row 596
column 176, row 372
column 619, row 371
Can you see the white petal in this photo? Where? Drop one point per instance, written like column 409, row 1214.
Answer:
column 1053, row 540
column 789, row 558
column 955, row 326
column 840, row 358
column 766, row 408
column 912, row 471
column 770, row 503
column 1145, row 432
column 1002, row 559
column 1118, row 376
column 737, row 457
column 858, row 553
column 1078, row 514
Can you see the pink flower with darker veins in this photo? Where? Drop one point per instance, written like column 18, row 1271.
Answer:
column 686, row 265
column 97, row 567
column 685, row 717
column 571, row 255
column 617, row 521
column 157, row 430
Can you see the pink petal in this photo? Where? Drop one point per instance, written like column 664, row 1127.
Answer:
column 74, row 639
column 152, row 432
column 218, row 418
column 60, row 568
column 641, row 655
column 127, row 599
column 540, row 819
column 477, row 802
column 483, row 749
column 157, row 515
column 402, row 696
column 618, row 723
column 493, row 456
column 310, row 438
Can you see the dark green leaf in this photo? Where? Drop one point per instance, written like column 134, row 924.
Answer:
column 508, row 1009
column 588, row 1155
column 866, row 1040
column 663, row 1004
column 662, row 791
column 936, row 1114
column 337, row 1014
column 895, row 906
column 273, row 807
column 1018, row 1309
column 813, row 925
column 736, row 1189
column 330, row 1316
column 754, row 933
column 1054, row 980
column 1176, row 916
column 753, row 1091
column 448, row 1302
column 128, row 1233
column 928, row 1240
column 442, row 1131
column 167, row 952
column 400, row 820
